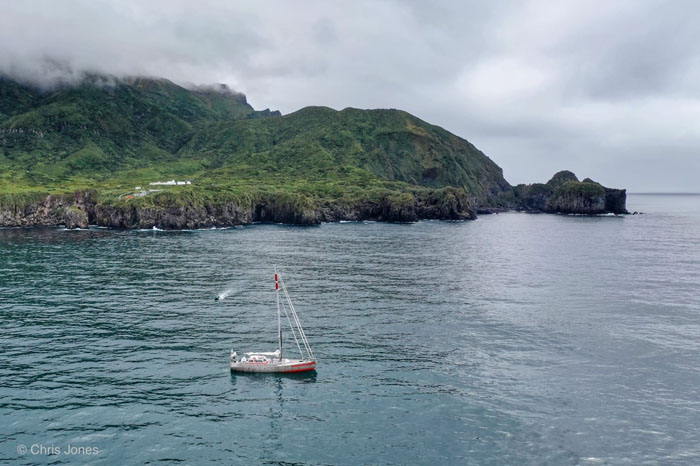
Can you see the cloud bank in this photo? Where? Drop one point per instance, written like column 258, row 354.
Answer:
column 609, row 90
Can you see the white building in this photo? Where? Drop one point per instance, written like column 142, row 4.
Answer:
column 169, row 183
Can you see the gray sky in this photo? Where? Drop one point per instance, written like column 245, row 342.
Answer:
column 607, row 89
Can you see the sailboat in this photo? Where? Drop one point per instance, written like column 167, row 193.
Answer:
column 275, row 361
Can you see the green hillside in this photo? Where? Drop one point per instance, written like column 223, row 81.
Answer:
column 112, row 135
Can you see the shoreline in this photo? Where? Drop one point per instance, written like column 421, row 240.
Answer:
column 187, row 211
column 155, row 228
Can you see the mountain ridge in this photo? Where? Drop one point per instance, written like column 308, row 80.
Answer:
column 111, row 137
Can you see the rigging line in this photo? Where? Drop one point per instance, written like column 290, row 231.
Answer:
column 301, row 330
column 294, row 334
column 292, row 327
column 302, row 333
column 296, row 318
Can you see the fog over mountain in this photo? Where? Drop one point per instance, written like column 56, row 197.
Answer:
column 608, row 90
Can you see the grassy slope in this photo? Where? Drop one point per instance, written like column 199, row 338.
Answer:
column 117, row 136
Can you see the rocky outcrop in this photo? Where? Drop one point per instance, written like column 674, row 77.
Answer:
column 565, row 194
column 22, row 210
column 576, row 197
column 616, row 201
column 560, row 178
column 444, row 204
column 83, row 208
column 75, row 218
column 532, row 197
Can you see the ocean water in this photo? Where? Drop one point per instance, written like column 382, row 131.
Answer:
column 514, row 339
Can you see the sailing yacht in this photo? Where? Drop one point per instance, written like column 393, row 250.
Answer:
column 275, row 361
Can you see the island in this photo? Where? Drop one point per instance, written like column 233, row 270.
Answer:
column 145, row 152
column 565, row 194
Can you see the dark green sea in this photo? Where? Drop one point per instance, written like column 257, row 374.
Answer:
column 515, row 339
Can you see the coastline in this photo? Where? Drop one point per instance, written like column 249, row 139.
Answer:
column 79, row 212
column 84, row 208
column 197, row 208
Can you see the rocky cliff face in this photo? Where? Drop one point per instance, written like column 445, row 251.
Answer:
column 50, row 210
column 82, row 209
column 565, row 194
column 447, row 204
column 616, row 201
column 562, row 194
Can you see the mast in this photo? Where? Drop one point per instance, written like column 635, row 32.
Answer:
column 279, row 318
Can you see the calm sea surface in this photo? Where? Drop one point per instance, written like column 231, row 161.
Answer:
column 514, row 339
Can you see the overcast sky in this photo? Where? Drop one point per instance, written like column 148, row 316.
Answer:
column 607, row 89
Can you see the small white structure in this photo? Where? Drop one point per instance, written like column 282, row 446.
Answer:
column 169, row 183
column 137, row 187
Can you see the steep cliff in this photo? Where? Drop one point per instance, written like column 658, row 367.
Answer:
column 85, row 208
column 35, row 209
column 565, row 194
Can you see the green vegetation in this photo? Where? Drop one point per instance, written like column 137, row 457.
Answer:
column 560, row 178
column 113, row 135
column 581, row 189
column 563, row 193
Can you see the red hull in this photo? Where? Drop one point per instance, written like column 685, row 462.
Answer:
column 302, row 368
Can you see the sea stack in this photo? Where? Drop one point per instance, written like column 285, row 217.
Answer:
column 565, row 194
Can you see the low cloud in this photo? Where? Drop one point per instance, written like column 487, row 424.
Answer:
column 606, row 89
